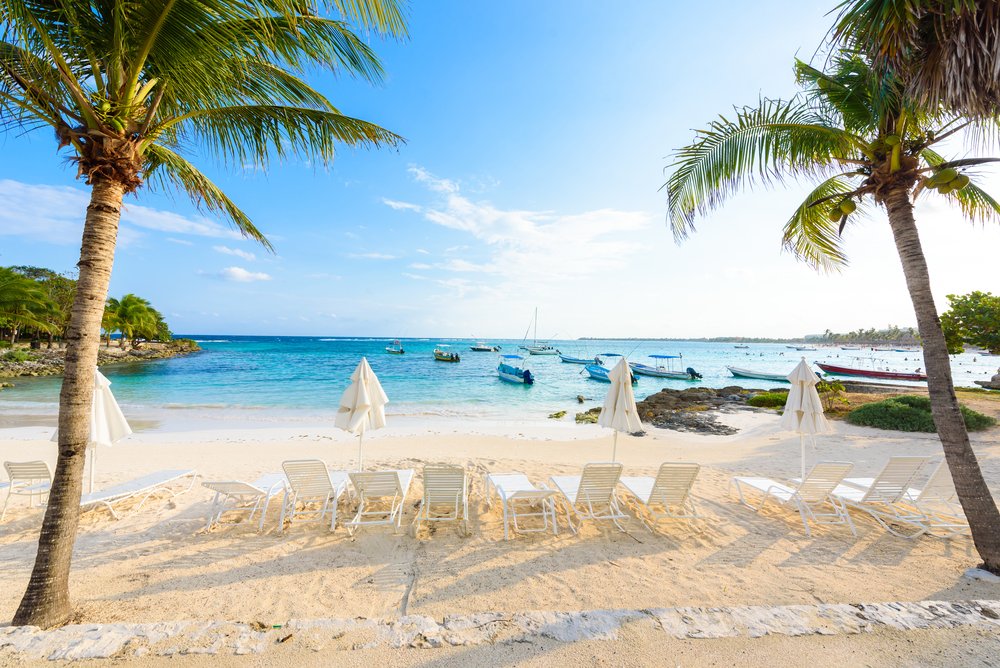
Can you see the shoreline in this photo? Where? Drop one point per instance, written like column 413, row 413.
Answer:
column 45, row 362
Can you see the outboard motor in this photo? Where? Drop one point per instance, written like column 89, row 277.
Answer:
column 528, row 380
column 694, row 374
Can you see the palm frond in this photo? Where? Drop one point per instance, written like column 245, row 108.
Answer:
column 170, row 170
column 759, row 145
column 247, row 135
column 811, row 235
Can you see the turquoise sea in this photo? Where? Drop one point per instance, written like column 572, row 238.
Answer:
column 304, row 376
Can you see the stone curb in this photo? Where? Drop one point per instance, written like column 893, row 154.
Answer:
column 102, row 641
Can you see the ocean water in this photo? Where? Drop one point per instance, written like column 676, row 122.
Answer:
column 259, row 376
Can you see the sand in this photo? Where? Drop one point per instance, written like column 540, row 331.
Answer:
column 160, row 564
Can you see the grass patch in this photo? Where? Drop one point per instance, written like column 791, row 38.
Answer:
column 910, row 413
column 775, row 399
column 16, row 356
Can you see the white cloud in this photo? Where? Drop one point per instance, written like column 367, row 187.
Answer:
column 434, row 183
column 55, row 214
column 372, row 256
column 241, row 275
column 181, row 242
column 528, row 248
column 226, row 250
column 423, row 251
column 421, row 266
column 415, row 277
column 400, row 206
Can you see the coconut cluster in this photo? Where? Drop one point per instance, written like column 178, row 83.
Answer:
column 947, row 180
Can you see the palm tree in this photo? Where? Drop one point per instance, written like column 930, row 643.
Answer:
column 946, row 53
column 23, row 303
column 869, row 145
column 128, row 87
column 109, row 320
column 133, row 316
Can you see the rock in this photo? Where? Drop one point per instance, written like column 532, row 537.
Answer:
column 558, row 415
column 588, row 417
column 579, row 399
column 691, row 409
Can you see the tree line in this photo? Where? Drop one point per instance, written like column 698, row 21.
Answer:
column 907, row 336
column 36, row 303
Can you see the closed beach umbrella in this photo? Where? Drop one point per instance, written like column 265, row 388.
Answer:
column 619, row 412
column 803, row 409
column 107, row 423
column 362, row 406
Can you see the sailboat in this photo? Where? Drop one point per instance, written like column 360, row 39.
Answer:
column 537, row 348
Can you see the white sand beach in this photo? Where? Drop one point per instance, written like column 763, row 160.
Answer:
column 159, row 564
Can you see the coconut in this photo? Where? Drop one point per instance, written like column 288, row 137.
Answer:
column 947, row 175
column 959, row 182
column 891, row 140
column 835, row 214
column 848, row 206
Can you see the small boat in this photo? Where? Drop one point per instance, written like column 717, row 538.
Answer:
column 396, row 348
column 871, row 373
column 600, row 372
column 483, row 347
column 809, row 348
column 445, row 356
column 536, row 347
column 578, row 360
column 757, row 375
column 741, row 347
column 664, row 368
column 542, row 349
column 850, row 347
column 511, row 369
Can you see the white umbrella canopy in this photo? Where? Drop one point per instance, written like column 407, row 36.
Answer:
column 619, row 412
column 803, row 408
column 362, row 405
column 107, row 422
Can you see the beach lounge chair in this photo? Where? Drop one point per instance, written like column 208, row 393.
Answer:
column 380, row 498
column 938, row 502
column 144, row 487
column 592, row 495
column 311, row 482
column 520, row 500
column 810, row 497
column 30, row 479
column 446, row 495
column 884, row 497
column 667, row 496
column 236, row 496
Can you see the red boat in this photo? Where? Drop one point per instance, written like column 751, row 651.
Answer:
column 870, row 373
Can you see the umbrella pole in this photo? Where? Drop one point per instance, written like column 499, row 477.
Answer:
column 614, row 447
column 361, row 438
column 802, row 446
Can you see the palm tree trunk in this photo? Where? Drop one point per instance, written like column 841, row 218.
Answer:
column 46, row 602
column 977, row 502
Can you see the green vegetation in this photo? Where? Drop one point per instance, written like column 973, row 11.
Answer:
column 16, row 356
column 903, row 336
column 35, row 304
column 911, row 413
column 972, row 319
column 773, row 399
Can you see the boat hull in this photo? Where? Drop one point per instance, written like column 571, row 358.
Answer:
column 598, row 372
column 866, row 373
column 394, row 352
column 446, row 357
column 644, row 370
column 512, row 374
column 484, row 349
column 542, row 351
column 757, row 375
column 575, row 360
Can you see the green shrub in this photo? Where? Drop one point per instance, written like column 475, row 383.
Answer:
column 5, row 344
column 910, row 413
column 16, row 356
column 774, row 399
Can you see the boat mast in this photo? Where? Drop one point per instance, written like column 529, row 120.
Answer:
column 535, row 339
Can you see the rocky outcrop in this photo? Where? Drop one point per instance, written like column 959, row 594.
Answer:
column 49, row 362
column 694, row 409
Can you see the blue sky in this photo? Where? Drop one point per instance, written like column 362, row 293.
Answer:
column 537, row 135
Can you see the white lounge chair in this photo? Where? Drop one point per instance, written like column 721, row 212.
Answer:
column 592, row 495
column 380, row 497
column 144, row 487
column 311, row 482
column 236, row 496
column 938, row 502
column 884, row 497
column 667, row 496
column 516, row 491
column 446, row 495
column 30, row 479
column 810, row 496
